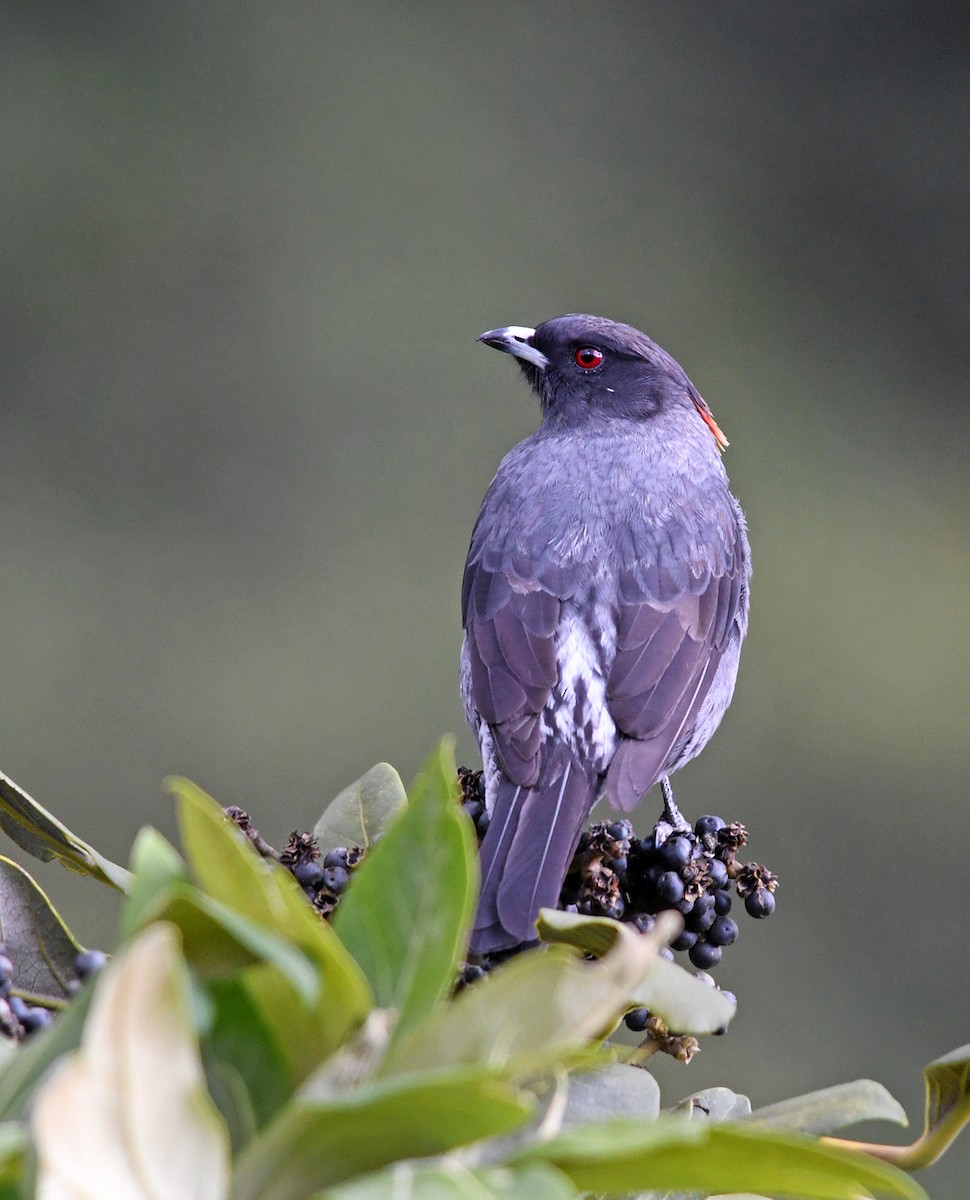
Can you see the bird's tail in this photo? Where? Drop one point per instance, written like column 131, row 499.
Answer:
column 528, row 847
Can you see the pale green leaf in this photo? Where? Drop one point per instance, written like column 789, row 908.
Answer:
column 40, row 833
column 156, row 866
column 406, row 915
column 671, row 1154
column 363, row 811
column 684, row 1003
column 715, row 1104
column 833, row 1108
column 129, row 1116
column 451, row 1180
column 536, row 1008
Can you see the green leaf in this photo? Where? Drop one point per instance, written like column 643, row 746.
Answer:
column 267, row 895
column 38, row 942
column 612, row 1090
column 240, row 1041
column 156, row 867
column 715, row 1104
column 129, row 1116
column 452, row 1180
column 685, row 1004
column 671, row 1154
column 538, row 1007
column 40, row 833
column 363, row 811
column 833, row 1108
column 217, row 941
column 947, row 1104
column 312, row 1145
column 947, row 1111
column 13, row 1153
column 406, row 915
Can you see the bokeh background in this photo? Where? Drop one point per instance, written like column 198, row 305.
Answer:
column 245, row 252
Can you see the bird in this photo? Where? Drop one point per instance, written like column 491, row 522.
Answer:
column 604, row 603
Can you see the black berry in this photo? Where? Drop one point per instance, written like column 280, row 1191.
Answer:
column 89, row 962
column 705, row 956
column 636, row 1019
column 723, row 932
column 308, row 874
column 760, row 903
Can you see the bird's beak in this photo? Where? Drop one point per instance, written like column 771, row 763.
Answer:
column 516, row 340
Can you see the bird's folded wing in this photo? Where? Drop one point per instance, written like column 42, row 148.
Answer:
column 673, row 626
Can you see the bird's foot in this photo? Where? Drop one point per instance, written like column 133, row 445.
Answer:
column 672, row 819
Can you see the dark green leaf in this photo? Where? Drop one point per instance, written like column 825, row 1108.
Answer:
column 406, row 915
column 451, row 1180
column 538, row 1007
column 240, row 1041
column 156, row 867
column 684, row 1003
column 833, row 1108
column 362, row 811
column 228, row 869
column 671, row 1154
column 35, row 830
column 313, row 1145
column 37, row 941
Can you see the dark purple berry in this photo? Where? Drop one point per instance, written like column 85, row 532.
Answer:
column 335, row 879
column 35, row 1018
column 481, row 824
column 708, row 826
column 722, row 903
column 684, row 940
column 643, row 921
column 6, row 968
column 309, row 874
column 636, row 1019
column 670, row 888
column 676, row 851
column 18, row 1007
column 701, row 917
column 723, row 932
column 337, row 857
column 617, row 864
column 89, row 962
column 705, row 956
column 620, row 831
column 760, row 903
column 473, row 809
column 718, row 873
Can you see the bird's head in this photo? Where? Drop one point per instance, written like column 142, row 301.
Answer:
column 587, row 369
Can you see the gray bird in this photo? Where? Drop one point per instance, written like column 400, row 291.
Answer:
column 604, row 601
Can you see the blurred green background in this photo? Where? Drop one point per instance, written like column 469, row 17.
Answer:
column 245, row 252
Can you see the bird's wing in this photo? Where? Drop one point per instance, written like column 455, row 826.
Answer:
column 510, row 612
column 678, row 600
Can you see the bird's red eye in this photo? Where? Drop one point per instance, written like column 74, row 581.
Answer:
column 588, row 357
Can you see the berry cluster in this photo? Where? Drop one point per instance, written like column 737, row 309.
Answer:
column 616, row 874
column 323, row 880
column 18, row 1017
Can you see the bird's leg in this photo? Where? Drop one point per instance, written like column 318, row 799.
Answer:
column 672, row 818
